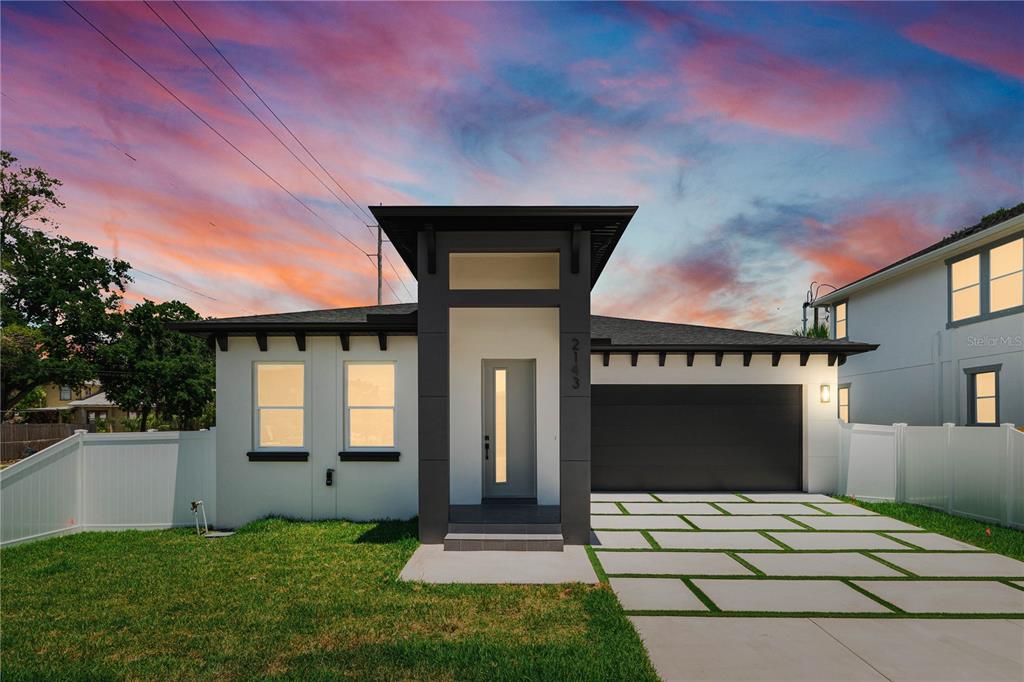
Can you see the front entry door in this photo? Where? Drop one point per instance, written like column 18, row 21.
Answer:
column 510, row 436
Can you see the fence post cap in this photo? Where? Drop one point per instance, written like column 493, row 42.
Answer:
column 152, row 430
column 81, row 430
column 900, row 424
column 1009, row 425
column 948, row 424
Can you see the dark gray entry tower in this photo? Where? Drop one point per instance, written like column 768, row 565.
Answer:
column 583, row 238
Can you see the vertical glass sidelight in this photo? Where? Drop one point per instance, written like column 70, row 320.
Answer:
column 500, row 426
column 1006, row 276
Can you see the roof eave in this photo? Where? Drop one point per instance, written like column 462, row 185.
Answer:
column 845, row 349
column 1009, row 225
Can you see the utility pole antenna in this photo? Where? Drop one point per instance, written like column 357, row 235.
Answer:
column 380, row 274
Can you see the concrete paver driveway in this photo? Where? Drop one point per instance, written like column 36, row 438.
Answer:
column 733, row 586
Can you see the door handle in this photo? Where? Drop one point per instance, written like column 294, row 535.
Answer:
column 487, row 447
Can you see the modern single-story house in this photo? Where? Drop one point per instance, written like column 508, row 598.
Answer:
column 498, row 402
column 949, row 321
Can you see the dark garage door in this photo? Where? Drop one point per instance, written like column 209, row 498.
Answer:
column 696, row 437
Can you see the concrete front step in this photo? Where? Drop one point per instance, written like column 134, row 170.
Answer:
column 494, row 541
column 506, row 528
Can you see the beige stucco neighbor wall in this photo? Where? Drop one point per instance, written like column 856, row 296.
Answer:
column 821, row 426
column 362, row 490
column 476, row 334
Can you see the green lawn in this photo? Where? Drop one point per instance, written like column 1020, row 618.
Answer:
column 291, row 600
column 988, row 536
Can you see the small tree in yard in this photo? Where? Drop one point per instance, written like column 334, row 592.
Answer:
column 59, row 298
column 151, row 368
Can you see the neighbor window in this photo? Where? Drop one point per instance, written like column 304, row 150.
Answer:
column 987, row 283
column 280, row 404
column 965, row 283
column 1006, row 276
column 841, row 320
column 844, row 403
column 370, row 405
column 65, row 393
column 503, row 270
column 983, row 393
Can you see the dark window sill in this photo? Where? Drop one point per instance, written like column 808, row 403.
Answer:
column 280, row 456
column 390, row 456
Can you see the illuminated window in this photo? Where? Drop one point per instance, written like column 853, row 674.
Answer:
column 983, row 389
column 841, row 320
column 370, row 404
column 500, row 426
column 1006, row 276
column 280, row 404
column 503, row 270
column 844, row 403
column 965, row 281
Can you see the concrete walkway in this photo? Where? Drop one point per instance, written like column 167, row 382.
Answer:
column 725, row 586
column 431, row 564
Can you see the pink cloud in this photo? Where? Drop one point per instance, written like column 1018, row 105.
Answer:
column 745, row 82
column 961, row 31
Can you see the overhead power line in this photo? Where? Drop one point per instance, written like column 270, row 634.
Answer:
column 206, row 123
column 367, row 214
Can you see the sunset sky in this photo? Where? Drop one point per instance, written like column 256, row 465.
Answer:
column 767, row 145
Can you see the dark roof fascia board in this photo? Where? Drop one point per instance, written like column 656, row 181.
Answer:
column 849, row 349
column 289, row 328
column 940, row 250
column 398, row 222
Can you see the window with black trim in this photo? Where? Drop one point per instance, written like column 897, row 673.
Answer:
column 843, row 402
column 369, row 405
column 280, row 413
column 841, row 320
column 987, row 282
column 983, row 395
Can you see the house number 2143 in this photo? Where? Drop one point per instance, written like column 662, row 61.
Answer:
column 575, row 363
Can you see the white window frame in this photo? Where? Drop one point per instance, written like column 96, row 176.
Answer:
column 839, row 402
column 257, row 446
column 346, row 411
column 64, row 390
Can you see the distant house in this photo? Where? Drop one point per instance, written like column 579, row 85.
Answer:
column 949, row 322
column 86, row 405
column 498, row 400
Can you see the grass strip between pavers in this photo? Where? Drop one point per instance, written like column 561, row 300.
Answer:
column 868, row 554
column 988, row 536
column 825, row 512
column 714, row 505
column 721, row 550
column 622, row 508
column 704, row 598
column 829, row 614
column 872, row 596
column 650, row 539
column 596, row 565
column 862, row 578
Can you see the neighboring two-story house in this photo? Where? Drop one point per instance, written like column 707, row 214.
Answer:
column 949, row 323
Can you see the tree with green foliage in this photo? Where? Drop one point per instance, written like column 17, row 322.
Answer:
column 60, row 298
column 150, row 368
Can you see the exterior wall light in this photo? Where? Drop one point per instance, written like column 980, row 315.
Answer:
column 826, row 393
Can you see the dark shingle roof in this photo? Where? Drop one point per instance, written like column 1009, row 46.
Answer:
column 619, row 331
column 611, row 333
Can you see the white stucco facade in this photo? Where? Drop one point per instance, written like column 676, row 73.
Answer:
column 250, row 490
column 820, row 422
column 917, row 375
column 478, row 334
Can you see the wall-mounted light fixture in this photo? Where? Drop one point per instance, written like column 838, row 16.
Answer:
column 826, row 393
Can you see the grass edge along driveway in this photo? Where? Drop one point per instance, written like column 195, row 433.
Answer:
column 291, row 600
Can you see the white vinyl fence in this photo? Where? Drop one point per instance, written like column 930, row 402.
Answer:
column 971, row 471
column 108, row 481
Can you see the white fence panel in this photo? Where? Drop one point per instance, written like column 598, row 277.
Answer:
column 39, row 495
column 108, row 482
column 926, row 466
column 1015, row 481
column 871, row 468
column 979, row 470
column 970, row 471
